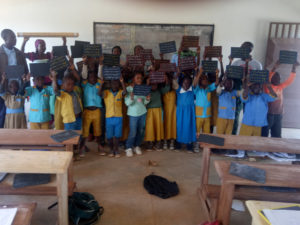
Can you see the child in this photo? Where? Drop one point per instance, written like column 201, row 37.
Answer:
column 114, row 121
column 154, row 123
column 14, row 102
column 276, row 108
column 137, row 116
column 169, row 101
column 39, row 114
column 227, row 103
column 71, row 106
column 256, row 109
column 92, row 103
column 185, row 112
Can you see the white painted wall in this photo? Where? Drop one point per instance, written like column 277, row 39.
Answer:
column 235, row 20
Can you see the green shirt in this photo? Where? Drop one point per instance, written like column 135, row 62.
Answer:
column 155, row 101
column 137, row 106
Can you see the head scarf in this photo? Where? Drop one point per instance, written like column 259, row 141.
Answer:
column 38, row 42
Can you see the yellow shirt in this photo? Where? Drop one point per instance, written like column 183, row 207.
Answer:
column 67, row 110
column 113, row 103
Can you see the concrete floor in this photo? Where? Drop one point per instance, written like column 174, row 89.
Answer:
column 117, row 184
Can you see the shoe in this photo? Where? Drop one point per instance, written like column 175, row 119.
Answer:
column 157, row 147
column 102, row 153
column 117, row 155
column 137, row 150
column 172, row 145
column 240, row 154
column 129, row 152
column 190, row 151
column 81, row 155
column 165, row 147
column 149, row 147
column 111, row 154
column 196, row 147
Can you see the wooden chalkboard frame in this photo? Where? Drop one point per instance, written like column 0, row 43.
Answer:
column 211, row 35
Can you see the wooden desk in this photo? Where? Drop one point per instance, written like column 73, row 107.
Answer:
column 24, row 213
column 254, row 206
column 42, row 162
column 26, row 139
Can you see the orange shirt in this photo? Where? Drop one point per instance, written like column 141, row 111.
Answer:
column 276, row 107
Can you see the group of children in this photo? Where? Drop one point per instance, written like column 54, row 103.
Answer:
column 176, row 111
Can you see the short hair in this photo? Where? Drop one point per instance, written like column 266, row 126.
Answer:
column 5, row 33
column 118, row 47
column 69, row 76
column 248, row 44
column 15, row 82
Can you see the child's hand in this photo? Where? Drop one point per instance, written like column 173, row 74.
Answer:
column 101, row 60
column 3, row 78
column 198, row 50
column 148, row 97
column 148, row 81
column 200, row 71
column 220, row 58
column 53, row 75
column 26, row 38
column 122, row 80
column 230, row 59
column 131, row 95
column 295, row 66
column 84, row 59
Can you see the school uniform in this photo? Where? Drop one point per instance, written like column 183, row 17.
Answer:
column 203, row 107
column 226, row 111
column 137, row 118
column 154, row 122
column 113, row 115
column 185, row 111
column 39, row 114
column 91, row 115
column 169, row 101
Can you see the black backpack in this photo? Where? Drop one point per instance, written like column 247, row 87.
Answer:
column 84, row 209
column 161, row 187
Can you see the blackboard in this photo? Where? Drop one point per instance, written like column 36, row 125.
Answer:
column 93, row 50
column 190, row 41
column 157, row 77
column 209, row 66
column 111, row 60
column 15, row 72
column 146, row 54
column 77, row 51
column 259, row 76
column 288, row 57
column 128, row 35
column 39, row 69
column 59, row 63
column 213, row 51
column 167, row 67
column 111, row 73
column 141, row 90
column 134, row 60
column 238, row 52
column 187, row 63
column 60, row 50
column 167, row 47
column 235, row 72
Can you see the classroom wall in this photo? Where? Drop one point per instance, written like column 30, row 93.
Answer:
column 235, row 20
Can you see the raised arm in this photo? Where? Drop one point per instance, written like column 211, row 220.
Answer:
column 24, row 43
column 3, row 84
column 196, row 79
column 123, row 86
column 272, row 92
column 53, row 77
column 198, row 56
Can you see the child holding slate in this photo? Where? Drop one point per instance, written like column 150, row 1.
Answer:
column 276, row 108
column 137, row 116
column 113, row 100
column 14, row 102
column 39, row 114
column 92, row 102
column 185, row 112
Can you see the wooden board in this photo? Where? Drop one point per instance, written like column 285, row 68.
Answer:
column 47, row 34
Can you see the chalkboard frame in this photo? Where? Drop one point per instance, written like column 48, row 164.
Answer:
column 211, row 38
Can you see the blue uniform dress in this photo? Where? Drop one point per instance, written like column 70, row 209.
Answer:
column 186, row 123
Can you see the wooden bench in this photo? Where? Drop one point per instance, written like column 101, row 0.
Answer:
column 276, row 176
column 209, row 193
column 42, row 162
column 25, row 139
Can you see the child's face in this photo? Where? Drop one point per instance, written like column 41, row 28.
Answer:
column 68, row 85
column 41, row 48
column 137, row 50
column 275, row 79
column 186, row 84
column 138, row 79
column 228, row 85
column 13, row 87
column 256, row 88
column 115, row 85
column 39, row 81
column 204, row 82
column 10, row 40
column 92, row 78
column 116, row 51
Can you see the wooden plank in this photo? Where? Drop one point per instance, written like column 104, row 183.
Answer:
column 276, row 174
column 31, row 137
column 24, row 213
column 34, row 161
column 257, row 143
column 47, row 34
column 62, row 192
column 296, row 31
column 205, row 165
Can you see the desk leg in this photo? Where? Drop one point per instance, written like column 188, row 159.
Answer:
column 69, row 148
column 225, row 202
column 62, row 194
column 205, row 165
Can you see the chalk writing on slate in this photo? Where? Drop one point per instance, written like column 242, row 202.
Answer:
column 60, row 50
column 82, row 43
column 167, row 47
column 187, row 63
column 288, row 57
column 146, row 54
column 134, row 60
column 157, row 77
column 209, row 66
column 93, row 50
column 242, row 53
column 190, row 41
column 248, row 172
column 167, row 67
column 213, row 51
column 14, row 72
column 111, row 60
column 39, row 69
column 209, row 139
column 64, row 135
column 77, row 51
column 111, row 73
column 59, row 63
column 141, row 90
column 259, row 76
column 235, row 72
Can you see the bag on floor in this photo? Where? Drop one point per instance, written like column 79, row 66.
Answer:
column 84, row 209
column 161, row 187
